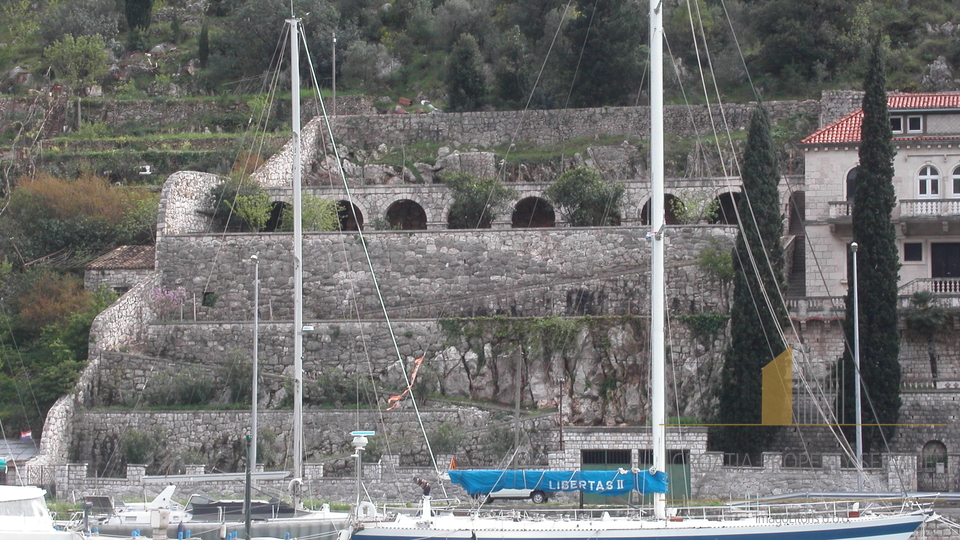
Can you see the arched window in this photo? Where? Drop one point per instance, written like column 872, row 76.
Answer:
column 928, row 183
column 955, row 187
column 851, row 183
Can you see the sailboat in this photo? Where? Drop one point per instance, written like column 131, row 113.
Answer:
column 830, row 520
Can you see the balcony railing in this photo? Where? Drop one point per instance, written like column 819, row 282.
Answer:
column 946, row 289
column 840, row 209
column 909, row 208
column 929, row 207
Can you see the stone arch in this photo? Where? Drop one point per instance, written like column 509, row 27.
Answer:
column 276, row 212
column 533, row 212
column 346, row 216
column 669, row 214
column 850, row 183
column 932, row 453
column 406, row 215
column 932, row 473
column 727, row 208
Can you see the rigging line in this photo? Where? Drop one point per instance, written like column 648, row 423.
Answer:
column 526, row 107
column 219, row 199
column 676, row 397
column 23, row 369
column 583, row 47
column 760, row 281
column 516, row 133
column 376, row 286
column 765, row 252
column 801, row 374
column 706, row 93
column 794, row 330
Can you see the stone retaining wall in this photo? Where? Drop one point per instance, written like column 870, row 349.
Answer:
column 545, row 127
column 518, row 272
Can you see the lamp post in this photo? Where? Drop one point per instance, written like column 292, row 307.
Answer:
column 856, row 374
column 256, row 350
column 560, row 381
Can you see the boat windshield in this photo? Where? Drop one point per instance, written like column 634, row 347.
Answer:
column 24, row 507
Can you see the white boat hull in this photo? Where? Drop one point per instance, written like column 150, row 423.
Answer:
column 897, row 527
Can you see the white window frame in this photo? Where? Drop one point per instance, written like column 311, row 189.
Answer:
column 928, row 180
column 919, row 119
column 898, row 128
column 955, row 183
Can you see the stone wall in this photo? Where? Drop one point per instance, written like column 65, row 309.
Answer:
column 122, row 278
column 194, row 115
column 487, row 129
column 185, row 204
column 517, row 272
column 713, row 481
column 217, row 437
column 480, row 367
column 373, row 201
column 835, row 104
column 116, row 327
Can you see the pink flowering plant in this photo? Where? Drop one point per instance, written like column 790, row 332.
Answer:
column 166, row 303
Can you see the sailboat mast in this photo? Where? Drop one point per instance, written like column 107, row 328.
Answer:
column 297, row 256
column 657, row 346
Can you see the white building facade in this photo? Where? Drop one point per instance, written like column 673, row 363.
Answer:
column 926, row 136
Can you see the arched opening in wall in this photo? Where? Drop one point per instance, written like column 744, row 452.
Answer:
column 346, row 216
column 670, row 210
column 533, row 212
column 726, row 208
column 276, row 215
column 932, row 474
column 406, row 215
column 851, row 183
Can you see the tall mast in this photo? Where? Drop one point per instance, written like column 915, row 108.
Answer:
column 297, row 258
column 657, row 377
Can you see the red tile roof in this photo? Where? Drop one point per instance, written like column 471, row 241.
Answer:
column 847, row 129
column 125, row 257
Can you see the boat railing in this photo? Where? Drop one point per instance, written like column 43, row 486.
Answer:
column 776, row 511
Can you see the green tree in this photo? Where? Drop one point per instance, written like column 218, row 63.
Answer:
column 755, row 337
column 79, row 18
column 464, row 81
column 476, row 201
column 203, row 46
column 316, row 214
column 237, row 199
column 804, row 39
column 510, row 71
column 585, row 199
column 86, row 216
column 79, row 61
column 139, row 14
column 927, row 318
column 606, row 60
column 878, row 263
column 250, row 46
column 253, row 209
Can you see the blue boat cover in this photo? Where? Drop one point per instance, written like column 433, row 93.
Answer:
column 620, row 482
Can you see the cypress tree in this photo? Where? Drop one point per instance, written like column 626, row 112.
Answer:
column 203, row 44
column 138, row 13
column 878, row 268
column 754, row 330
column 466, row 87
